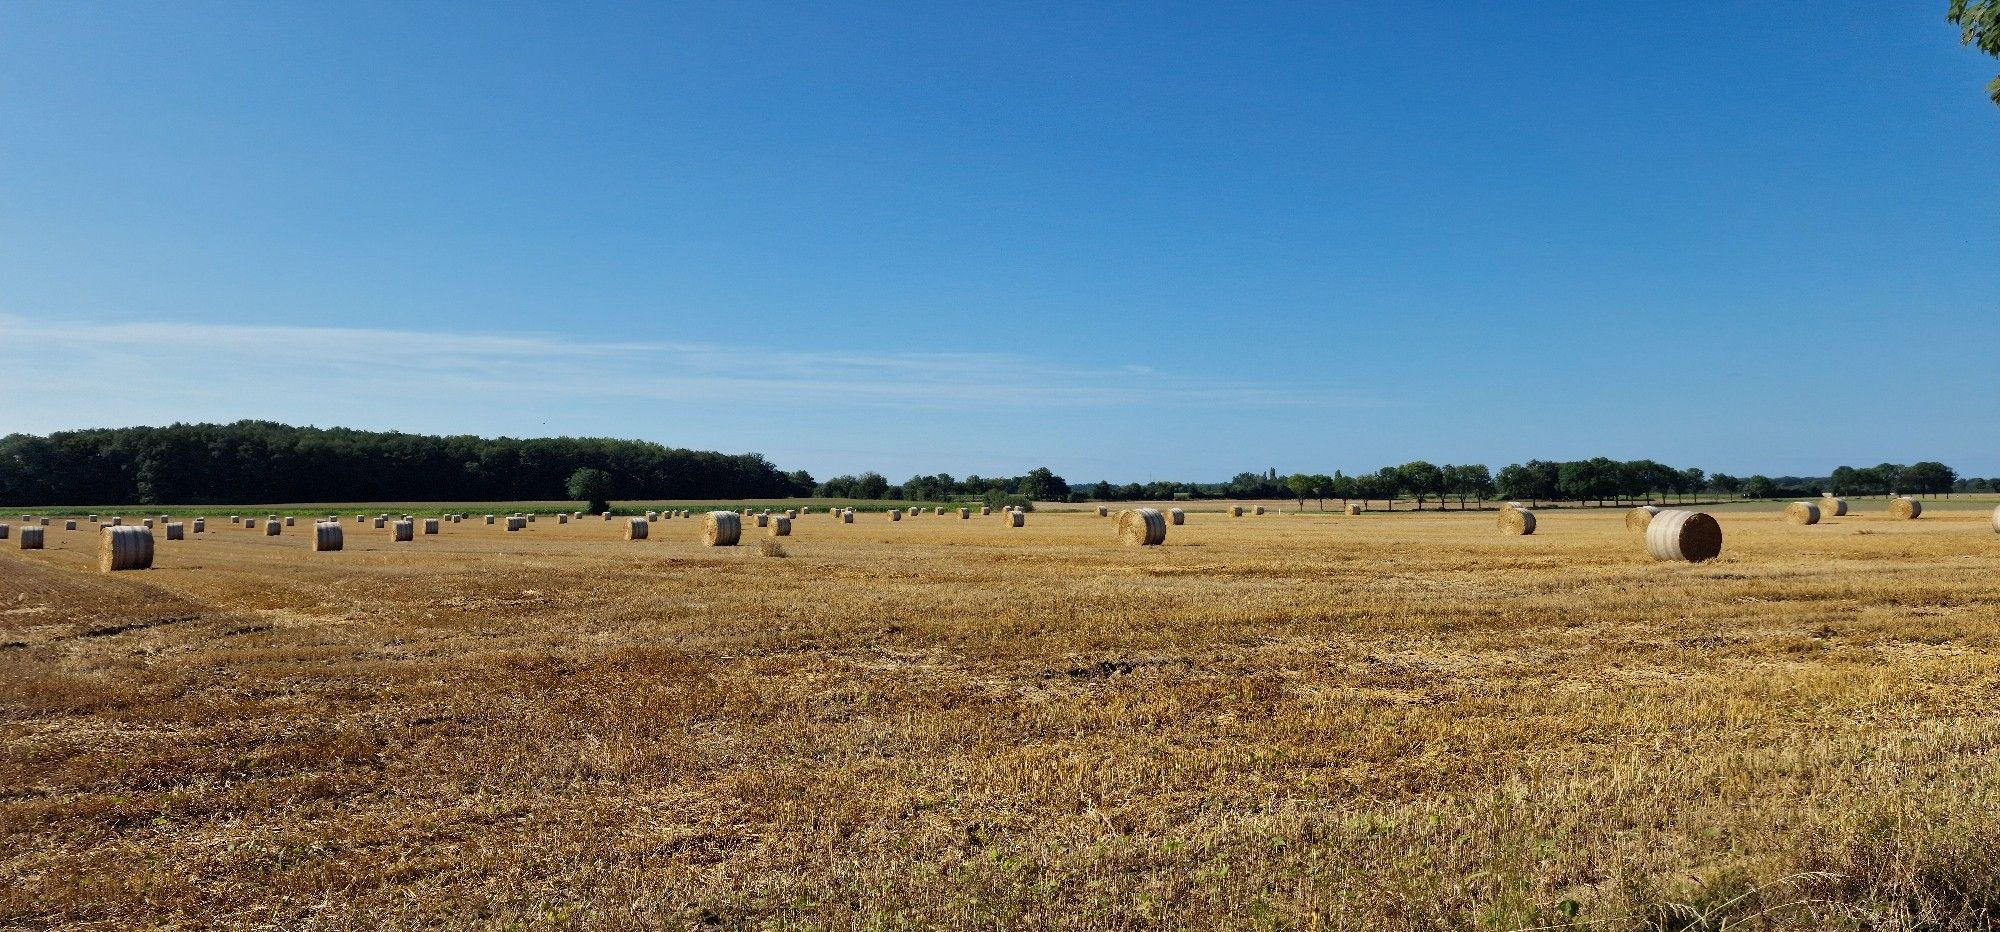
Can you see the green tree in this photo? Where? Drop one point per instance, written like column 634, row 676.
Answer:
column 1044, row 486
column 1301, row 486
column 592, row 485
column 1759, row 487
column 1978, row 22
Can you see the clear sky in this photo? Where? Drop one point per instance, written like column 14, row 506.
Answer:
column 1135, row 241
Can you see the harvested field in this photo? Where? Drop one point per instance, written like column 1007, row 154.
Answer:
column 1385, row 722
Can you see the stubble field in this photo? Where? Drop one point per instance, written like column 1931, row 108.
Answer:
column 1375, row 722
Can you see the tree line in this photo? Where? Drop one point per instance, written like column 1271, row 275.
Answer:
column 259, row 461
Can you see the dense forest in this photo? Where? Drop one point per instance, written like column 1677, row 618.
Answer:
column 257, row 461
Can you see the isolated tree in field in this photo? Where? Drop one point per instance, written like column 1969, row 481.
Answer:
column 1301, row 486
column 591, row 485
column 1978, row 22
column 1041, row 485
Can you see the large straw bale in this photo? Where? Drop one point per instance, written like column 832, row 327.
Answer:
column 1684, row 535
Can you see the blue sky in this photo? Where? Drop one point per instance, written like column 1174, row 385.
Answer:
column 1129, row 242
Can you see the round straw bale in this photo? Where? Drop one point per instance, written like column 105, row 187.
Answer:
column 721, row 528
column 124, row 548
column 5, row 529
column 1517, row 521
column 146, row 523
column 273, row 529
column 1353, row 508
column 69, row 525
column 430, row 525
column 1142, row 527
column 31, row 538
column 652, row 516
column 847, row 516
column 384, row 522
column 562, row 518
column 781, row 526
column 1017, row 518
column 985, row 510
column 964, row 514
column 1176, row 516
column 939, row 510
column 1258, row 510
column 763, row 520
column 117, row 522
column 90, row 518
column 792, row 513
column 531, row 519
column 1103, row 511
column 636, row 529
column 176, row 531
column 1683, row 535
column 895, row 514
column 1638, row 518
column 1802, row 513
column 44, row 522
column 1236, row 511
column 201, row 525
column 607, row 516
column 489, row 520
column 517, row 524
column 1831, row 507
column 327, row 536
column 1905, row 507
column 1996, row 519
column 403, row 531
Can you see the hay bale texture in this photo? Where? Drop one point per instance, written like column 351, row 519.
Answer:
column 31, row 538
column 1017, row 519
column 1638, row 518
column 847, row 516
column 1142, row 527
column 895, row 514
column 721, row 528
column 637, row 529
column 763, row 519
column 5, row 529
column 1176, row 516
column 431, row 525
column 123, row 548
column 1258, row 510
column 1103, row 510
column 1832, row 507
column 517, row 524
column 1236, row 511
column 69, row 525
column 273, row 528
column 1905, row 508
column 1692, row 536
column 1353, row 508
column 176, row 531
column 405, row 531
column 1802, row 513
column 1996, row 519
column 1517, row 521
column 328, row 537
column 201, row 525
column 781, row 526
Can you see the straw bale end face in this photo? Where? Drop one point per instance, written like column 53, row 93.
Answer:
column 1142, row 527
column 1176, row 517
column 721, row 528
column 1638, row 518
column 1517, row 521
column 31, row 538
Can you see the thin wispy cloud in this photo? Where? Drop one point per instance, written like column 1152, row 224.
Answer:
column 213, row 361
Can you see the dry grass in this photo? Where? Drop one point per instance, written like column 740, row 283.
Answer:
column 1392, row 722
